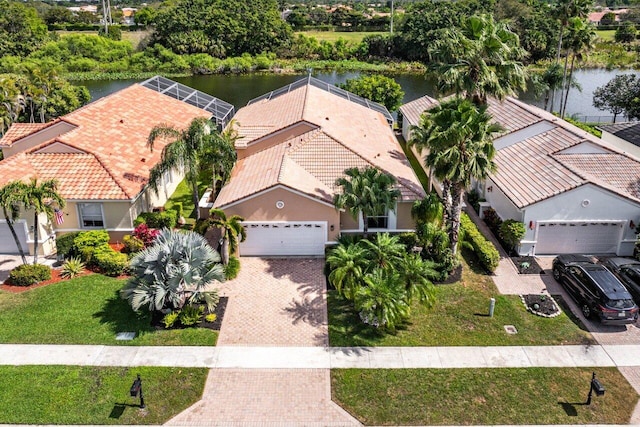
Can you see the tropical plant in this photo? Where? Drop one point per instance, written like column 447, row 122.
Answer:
column 10, row 201
column 460, row 148
column 72, row 268
column 417, row 274
column 381, row 89
column 580, row 39
column 385, row 251
column 179, row 267
column 367, row 191
column 232, row 231
column 190, row 314
column 41, row 196
column 511, row 232
column 479, row 59
column 11, row 103
column 428, row 210
column 221, row 155
column 348, row 265
column 184, row 151
column 382, row 301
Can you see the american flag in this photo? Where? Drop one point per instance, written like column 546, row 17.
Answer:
column 59, row 216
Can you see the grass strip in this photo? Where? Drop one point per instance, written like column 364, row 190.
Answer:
column 482, row 396
column 458, row 318
column 95, row 395
column 84, row 310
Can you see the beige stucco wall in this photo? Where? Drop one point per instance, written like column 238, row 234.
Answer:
column 347, row 222
column 278, row 137
column 403, row 215
column 296, row 208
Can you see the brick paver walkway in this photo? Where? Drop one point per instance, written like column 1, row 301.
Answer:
column 279, row 302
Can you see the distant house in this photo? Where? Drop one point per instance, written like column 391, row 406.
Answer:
column 128, row 15
column 293, row 144
column 100, row 158
column 624, row 136
column 596, row 17
column 574, row 193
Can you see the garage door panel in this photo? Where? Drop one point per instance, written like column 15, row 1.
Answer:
column 284, row 238
column 7, row 243
column 579, row 237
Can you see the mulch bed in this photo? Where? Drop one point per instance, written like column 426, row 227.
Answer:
column 156, row 319
column 55, row 278
column 455, row 276
column 541, row 305
column 533, row 268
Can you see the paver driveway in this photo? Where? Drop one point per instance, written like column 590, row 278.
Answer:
column 276, row 302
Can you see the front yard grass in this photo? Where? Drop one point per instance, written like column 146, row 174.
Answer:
column 84, row 310
column 482, row 396
column 458, row 318
column 95, row 395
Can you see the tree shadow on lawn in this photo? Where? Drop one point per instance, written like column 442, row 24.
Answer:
column 118, row 314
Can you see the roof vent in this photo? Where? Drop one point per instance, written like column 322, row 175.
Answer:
column 121, row 120
column 326, row 118
column 143, row 160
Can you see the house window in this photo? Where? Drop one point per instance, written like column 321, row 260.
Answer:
column 91, row 215
column 168, row 177
column 378, row 221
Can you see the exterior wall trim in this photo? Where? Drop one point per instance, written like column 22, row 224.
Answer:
column 275, row 187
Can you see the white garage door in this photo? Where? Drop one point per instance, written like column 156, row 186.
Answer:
column 578, row 237
column 284, row 238
column 7, row 243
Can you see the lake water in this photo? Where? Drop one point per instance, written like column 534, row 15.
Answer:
column 239, row 89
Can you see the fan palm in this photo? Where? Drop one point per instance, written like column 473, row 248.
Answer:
column 460, row 149
column 382, row 302
column 348, row 264
column 232, row 230
column 479, row 59
column 184, row 151
column 40, row 197
column 10, row 200
column 178, row 268
column 367, row 191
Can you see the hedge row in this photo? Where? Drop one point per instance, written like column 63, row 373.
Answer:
column 484, row 249
column 93, row 249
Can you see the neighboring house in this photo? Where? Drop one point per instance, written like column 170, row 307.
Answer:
column 573, row 193
column 596, row 17
column 128, row 15
column 293, row 144
column 100, row 158
column 624, row 136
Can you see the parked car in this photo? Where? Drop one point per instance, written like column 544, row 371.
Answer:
column 628, row 271
column 596, row 290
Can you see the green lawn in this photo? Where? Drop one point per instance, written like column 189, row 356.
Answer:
column 458, row 318
column 85, row 310
column 184, row 195
column 333, row 36
column 415, row 164
column 482, row 396
column 606, row 35
column 95, row 395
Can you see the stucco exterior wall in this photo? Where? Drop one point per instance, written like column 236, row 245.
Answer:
column 278, row 137
column 404, row 219
column 296, row 208
column 621, row 144
column 37, row 138
column 347, row 222
column 500, row 202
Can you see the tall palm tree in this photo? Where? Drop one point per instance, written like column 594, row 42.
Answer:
column 40, row 196
column 348, row 265
column 221, row 155
column 232, row 229
column 367, row 191
column 481, row 58
column 11, row 103
column 580, row 39
column 10, row 200
column 460, row 149
column 178, row 268
column 184, row 151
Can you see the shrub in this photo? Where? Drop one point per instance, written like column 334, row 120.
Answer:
column 485, row 250
column 409, row 240
column 64, row 244
column 211, row 317
column 191, row 314
column 86, row 241
column 110, row 262
column 71, row 268
column 177, row 207
column 166, row 219
column 145, row 234
column 170, row 319
column 29, row 274
column 511, row 232
column 492, row 220
column 474, row 200
column 232, row 269
column 132, row 244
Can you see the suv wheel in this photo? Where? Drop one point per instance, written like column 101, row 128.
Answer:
column 586, row 311
column 556, row 273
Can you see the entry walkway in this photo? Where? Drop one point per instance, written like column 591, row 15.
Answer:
column 249, row 358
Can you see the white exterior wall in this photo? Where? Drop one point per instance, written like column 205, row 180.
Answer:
column 500, row 203
column 621, row 144
column 602, row 206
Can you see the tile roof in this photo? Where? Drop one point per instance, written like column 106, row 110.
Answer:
column 19, row 130
column 628, row 131
column 347, row 135
column 114, row 131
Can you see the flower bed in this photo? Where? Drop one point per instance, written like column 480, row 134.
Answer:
column 541, row 305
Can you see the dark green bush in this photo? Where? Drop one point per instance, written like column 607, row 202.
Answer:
column 110, row 262
column 64, row 244
column 485, row 250
column 511, row 232
column 166, row 219
column 409, row 240
column 232, row 269
column 492, row 220
column 29, row 274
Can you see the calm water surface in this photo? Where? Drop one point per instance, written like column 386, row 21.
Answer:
column 239, row 89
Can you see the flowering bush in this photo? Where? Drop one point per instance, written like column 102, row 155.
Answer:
column 146, row 234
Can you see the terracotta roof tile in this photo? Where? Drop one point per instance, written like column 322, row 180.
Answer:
column 18, row 130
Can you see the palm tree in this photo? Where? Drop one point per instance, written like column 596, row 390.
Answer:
column 184, row 151
column 580, row 38
column 221, row 155
column 417, row 274
column 481, row 58
column 10, row 200
column 382, row 302
column 178, row 268
column 40, row 197
column 232, row 229
column 348, row 264
column 427, row 210
column 11, row 103
column 367, row 191
column 550, row 80
column 385, row 251
column 460, row 149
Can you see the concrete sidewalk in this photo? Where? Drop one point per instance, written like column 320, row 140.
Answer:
column 323, row 357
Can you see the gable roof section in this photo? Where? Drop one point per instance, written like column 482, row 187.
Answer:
column 630, row 132
column 20, row 130
column 113, row 131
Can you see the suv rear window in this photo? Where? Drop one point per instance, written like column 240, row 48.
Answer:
column 620, row 303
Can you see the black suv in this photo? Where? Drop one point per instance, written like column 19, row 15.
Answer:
column 628, row 271
column 595, row 289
